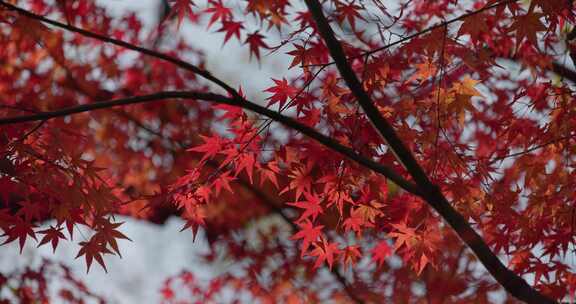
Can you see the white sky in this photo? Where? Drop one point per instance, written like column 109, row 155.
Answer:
column 155, row 253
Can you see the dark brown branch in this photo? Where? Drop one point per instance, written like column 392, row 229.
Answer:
column 431, row 193
column 564, row 71
column 178, row 62
column 243, row 103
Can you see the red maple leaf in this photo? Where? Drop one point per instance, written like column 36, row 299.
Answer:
column 230, row 28
column 108, row 234
column 19, row 230
column 282, row 91
column 403, row 235
column 212, row 146
column 52, row 235
column 301, row 181
column 255, row 42
column 182, row 8
column 223, row 182
column 325, row 252
column 308, row 233
column 354, row 223
column 381, row 252
column 311, row 206
column 194, row 215
column 349, row 12
column 218, row 11
column 350, row 255
column 247, row 162
column 93, row 249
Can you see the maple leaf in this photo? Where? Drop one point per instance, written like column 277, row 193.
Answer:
column 107, row 234
column 424, row 71
column 247, row 162
column 255, row 42
column 520, row 259
column 474, row 26
column 404, row 235
column 305, row 20
column 308, row 233
column 218, row 11
column 270, row 173
column 349, row 12
column 93, row 250
column 550, row 7
column 421, row 82
column 52, row 235
column 460, row 97
column 223, row 182
column 467, row 87
column 308, row 54
column 203, row 192
column 282, row 91
column 301, row 181
column 527, row 26
column 351, row 255
column 231, row 112
column 211, row 147
column 368, row 212
column 230, row 28
column 381, row 252
column 194, row 216
column 182, row 8
column 68, row 216
column 20, row 230
column 325, row 252
column 312, row 206
column 299, row 55
column 42, row 33
column 354, row 223
column 421, row 264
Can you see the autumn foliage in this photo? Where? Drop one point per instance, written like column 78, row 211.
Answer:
column 413, row 151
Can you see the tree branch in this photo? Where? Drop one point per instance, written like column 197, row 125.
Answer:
column 564, row 71
column 431, row 193
column 178, row 62
column 237, row 102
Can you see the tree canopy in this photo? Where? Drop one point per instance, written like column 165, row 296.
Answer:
column 413, row 152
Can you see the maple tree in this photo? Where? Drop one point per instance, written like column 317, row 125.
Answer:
column 417, row 151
